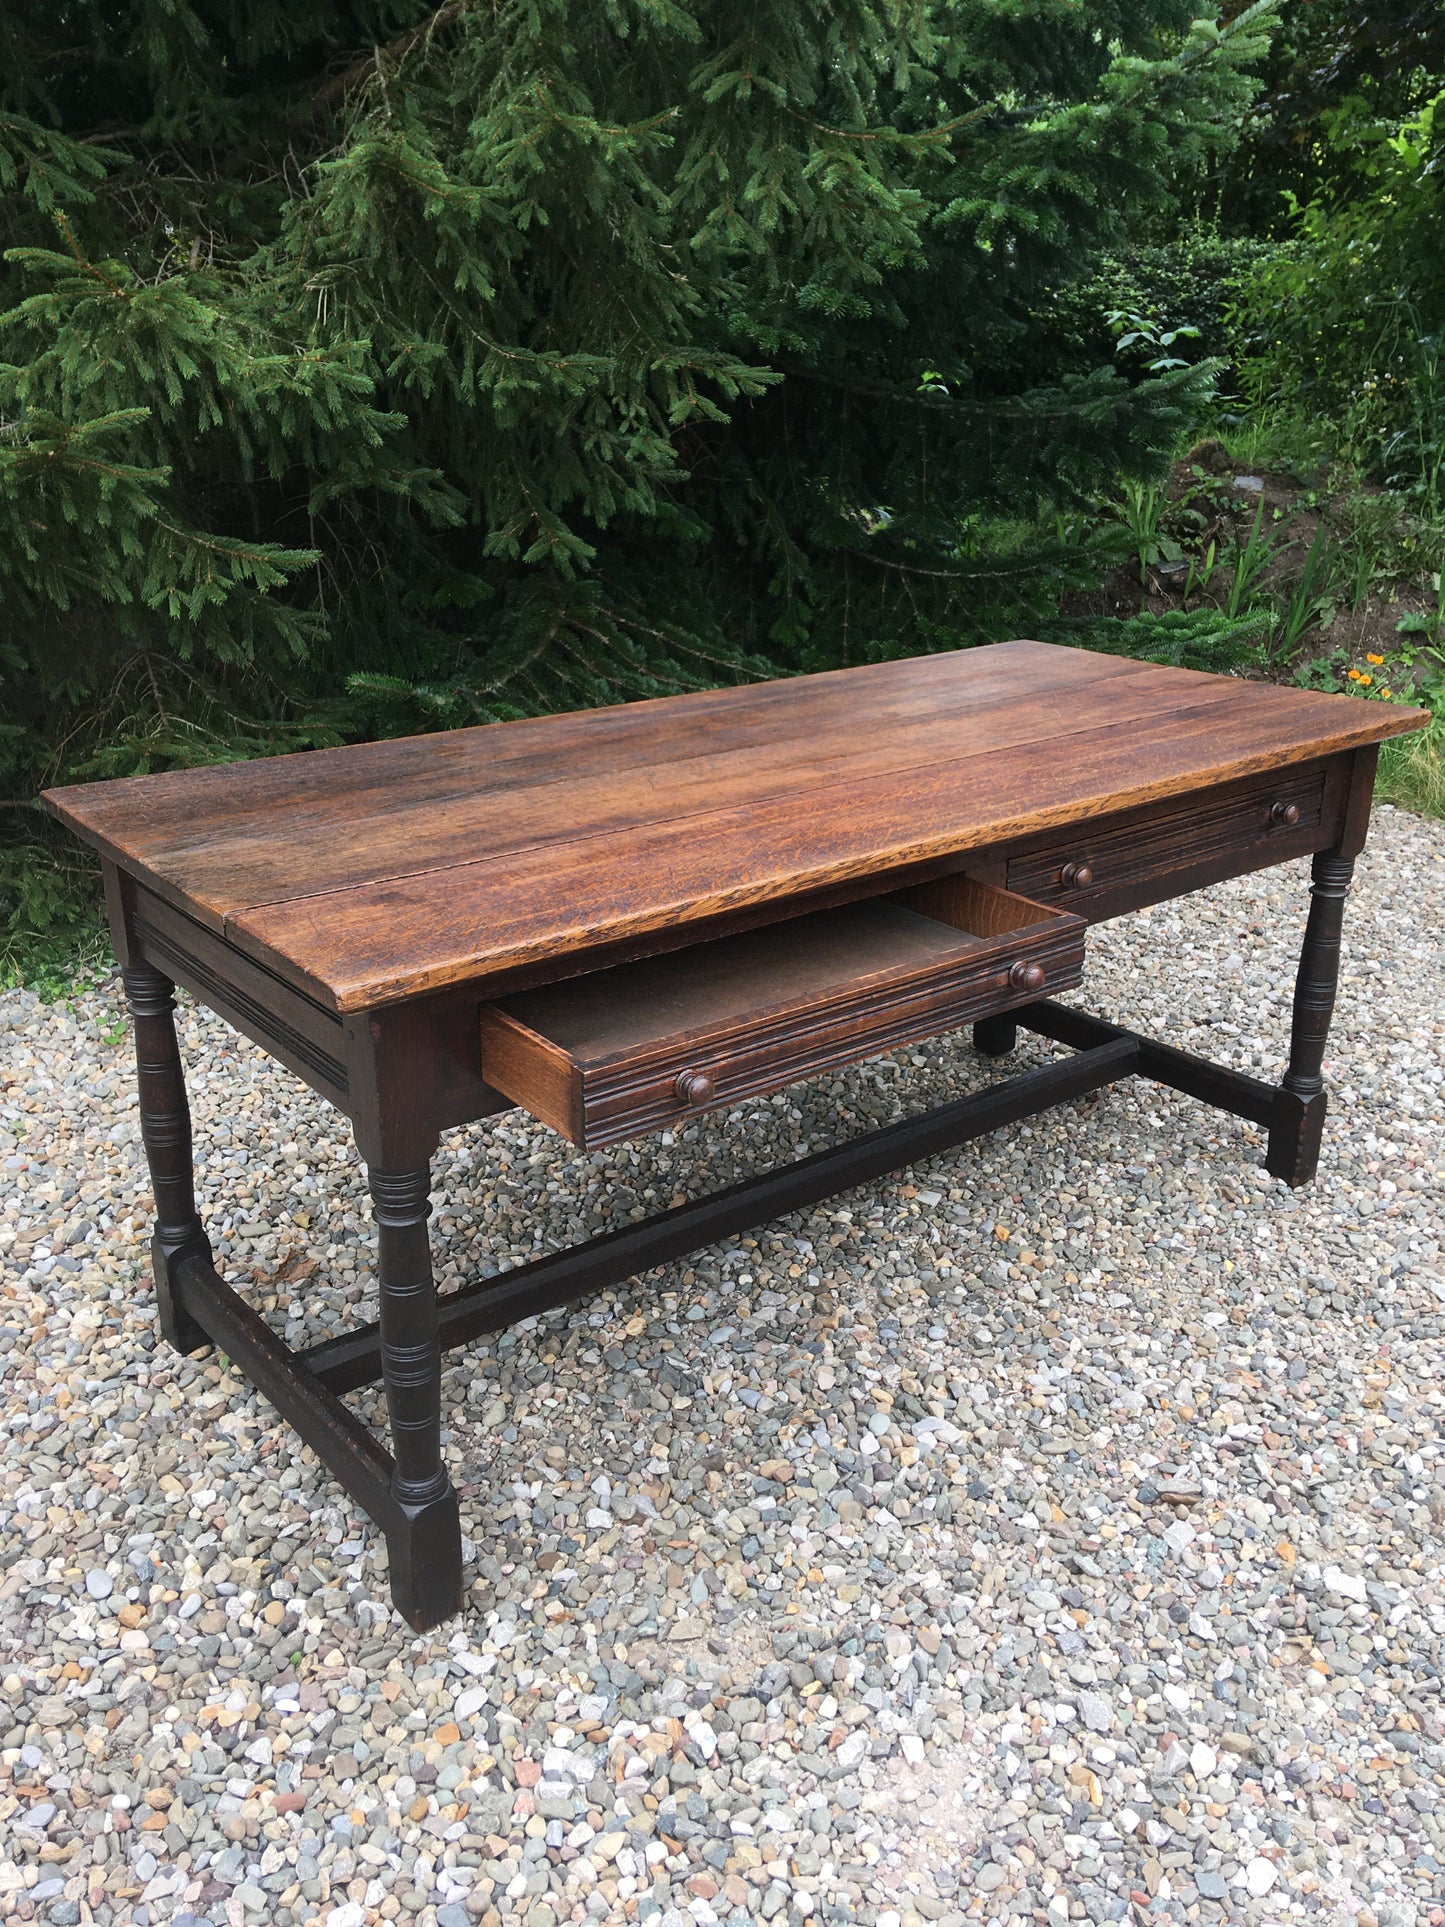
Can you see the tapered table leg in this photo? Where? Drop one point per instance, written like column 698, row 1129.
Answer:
column 995, row 1036
column 426, row 1546
column 1298, row 1124
column 165, row 1122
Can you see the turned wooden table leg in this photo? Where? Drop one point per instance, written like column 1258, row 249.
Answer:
column 165, row 1122
column 426, row 1549
column 995, row 1036
column 1295, row 1131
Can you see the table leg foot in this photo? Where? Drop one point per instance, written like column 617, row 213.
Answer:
column 165, row 1121
column 1298, row 1123
column 1295, row 1135
column 425, row 1551
column 179, row 1329
column 995, row 1036
column 426, row 1544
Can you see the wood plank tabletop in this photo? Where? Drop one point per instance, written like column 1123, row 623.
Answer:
column 377, row 872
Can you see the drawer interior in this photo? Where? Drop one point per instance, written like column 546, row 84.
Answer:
column 601, row 1056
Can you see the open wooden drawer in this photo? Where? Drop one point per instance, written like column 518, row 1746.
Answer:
column 647, row 1045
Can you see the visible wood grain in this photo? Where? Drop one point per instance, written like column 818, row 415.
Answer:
column 968, row 904
column 280, row 828
column 609, row 1055
column 376, row 874
column 400, row 884
column 1243, row 816
column 389, row 941
column 696, row 994
column 532, row 1070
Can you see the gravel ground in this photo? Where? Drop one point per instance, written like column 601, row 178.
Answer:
column 1051, row 1533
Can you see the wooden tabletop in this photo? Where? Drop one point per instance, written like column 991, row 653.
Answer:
column 379, row 871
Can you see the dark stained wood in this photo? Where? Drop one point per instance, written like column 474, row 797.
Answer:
column 336, row 1435
column 1359, row 784
column 165, row 1122
column 423, row 1540
column 426, row 1549
column 296, row 1030
column 391, row 1068
column 1216, row 1084
column 1112, row 863
column 488, row 1304
column 401, row 922
column 995, row 1036
column 374, row 875
column 1294, row 1139
column 612, row 1054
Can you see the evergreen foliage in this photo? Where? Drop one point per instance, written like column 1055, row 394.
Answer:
column 1207, row 639
column 369, row 365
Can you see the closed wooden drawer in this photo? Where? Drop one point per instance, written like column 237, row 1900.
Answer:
column 650, row 1044
column 1124, row 863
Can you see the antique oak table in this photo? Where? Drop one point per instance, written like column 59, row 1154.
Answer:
column 624, row 918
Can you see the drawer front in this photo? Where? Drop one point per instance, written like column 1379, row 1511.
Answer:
column 1125, row 863
column 626, row 1101
column 645, row 1047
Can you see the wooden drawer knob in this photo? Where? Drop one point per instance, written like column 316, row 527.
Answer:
column 693, row 1087
column 1076, row 876
column 1026, row 976
column 1285, row 814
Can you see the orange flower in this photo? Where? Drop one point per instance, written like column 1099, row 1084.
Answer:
column 1355, row 676
column 1365, row 681
column 1384, row 692
column 1377, row 660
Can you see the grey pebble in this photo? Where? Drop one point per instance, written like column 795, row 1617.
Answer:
column 810, row 1539
column 1095, row 1713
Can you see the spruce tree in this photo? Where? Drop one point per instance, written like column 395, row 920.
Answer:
column 368, row 364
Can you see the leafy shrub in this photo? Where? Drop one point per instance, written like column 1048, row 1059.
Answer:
column 1192, row 282
column 1349, row 323
column 1411, row 671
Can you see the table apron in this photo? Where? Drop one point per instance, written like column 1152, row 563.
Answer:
column 309, row 1040
column 443, row 1072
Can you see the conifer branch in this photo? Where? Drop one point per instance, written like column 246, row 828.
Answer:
column 334, row 93
column 935, row 136
column 521, row 349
